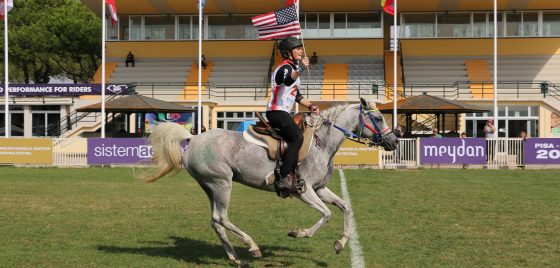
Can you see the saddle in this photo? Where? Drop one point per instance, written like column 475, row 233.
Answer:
column 264, row 135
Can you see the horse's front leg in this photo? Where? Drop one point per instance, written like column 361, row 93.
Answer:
column 329, row 197
column 311, row 198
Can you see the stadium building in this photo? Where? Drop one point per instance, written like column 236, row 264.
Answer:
column 445, row 49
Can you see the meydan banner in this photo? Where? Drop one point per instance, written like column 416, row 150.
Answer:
column 65, row 89
column 453, row 151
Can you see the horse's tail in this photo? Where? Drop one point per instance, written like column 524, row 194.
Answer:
column 166, row 139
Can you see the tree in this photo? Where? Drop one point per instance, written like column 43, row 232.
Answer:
column 53, row 38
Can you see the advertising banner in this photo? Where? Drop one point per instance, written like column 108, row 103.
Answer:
column 542, row 151
column 26, row 151
column 65, row 89
column 119, row 151
column 352, row 153
column 453, row 151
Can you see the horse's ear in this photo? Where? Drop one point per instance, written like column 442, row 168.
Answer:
column 365, row 104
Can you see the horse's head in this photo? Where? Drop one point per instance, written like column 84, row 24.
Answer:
column 373, row 126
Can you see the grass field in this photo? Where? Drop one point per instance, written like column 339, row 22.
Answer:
column 102, row 217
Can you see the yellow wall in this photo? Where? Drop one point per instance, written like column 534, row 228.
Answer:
column 253, row 48
column 480, row 47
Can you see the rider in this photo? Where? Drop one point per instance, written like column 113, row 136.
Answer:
column 285, row 82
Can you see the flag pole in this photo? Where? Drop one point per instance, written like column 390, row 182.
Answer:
column 495, row 68
column 6, row 105
column 103, row 69
column 395, row 67
column 199, row 119
column 304, row 53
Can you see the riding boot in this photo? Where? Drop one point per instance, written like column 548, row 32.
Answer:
column 286, row 182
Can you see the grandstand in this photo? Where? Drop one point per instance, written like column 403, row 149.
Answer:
column 445, row 50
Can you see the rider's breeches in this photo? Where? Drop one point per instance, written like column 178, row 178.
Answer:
column 291, row 134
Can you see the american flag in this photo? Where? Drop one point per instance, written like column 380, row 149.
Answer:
column 278, row 24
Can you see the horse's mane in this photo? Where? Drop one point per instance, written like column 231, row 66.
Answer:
column 332, row 113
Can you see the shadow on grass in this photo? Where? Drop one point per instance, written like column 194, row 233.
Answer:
column 202, row 253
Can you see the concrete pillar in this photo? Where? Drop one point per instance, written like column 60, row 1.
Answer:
column 27, row 122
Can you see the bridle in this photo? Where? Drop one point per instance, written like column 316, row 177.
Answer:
column 379, row 135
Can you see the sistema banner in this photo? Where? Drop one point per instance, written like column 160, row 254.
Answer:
column 118, row 151
column 65, row 89
column 453, row 151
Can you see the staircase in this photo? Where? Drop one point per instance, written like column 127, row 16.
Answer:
column 190, row 92
column 335, row 82
column 479, row 77
column 389, row 81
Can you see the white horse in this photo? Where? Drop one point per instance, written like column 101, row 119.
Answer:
column 219, row 157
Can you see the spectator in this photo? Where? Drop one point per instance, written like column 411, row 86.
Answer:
column 489, row 129
column 463, row 135
column 399, row 131
column 129, row 59
column 194, row 130
column 436, row 134
column 203, row 62
column 314, row 59
column 523, row 135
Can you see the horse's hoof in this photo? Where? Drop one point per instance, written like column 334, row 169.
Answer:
column 240, row 264
column 256, row 253
column 338, row 247
column 296, row 232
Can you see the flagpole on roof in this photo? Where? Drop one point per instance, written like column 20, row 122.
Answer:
column 395, row 46
column 103, row 69
column 6, row 83
column 199, row 119
column 495, row 68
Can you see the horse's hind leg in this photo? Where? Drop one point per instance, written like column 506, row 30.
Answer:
column 329, row 197
column 220, row 203
column 311, row 198
column 218, row 228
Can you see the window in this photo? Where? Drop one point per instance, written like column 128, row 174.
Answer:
column 364, row 25
column 419, row 25
column 491, row 24
column 123, row 27
column 135, row 30
column 45, row 120
column 324, row 25
column 233, row 120
column 551, row 23
column 184, row 31
column 454, row 25
column 311, row 25
column 512, row 120
column 339, row 25
column 530, row 24
column 513, row 25
column 231, row 27
column 159, row 27
column 479, row 25
column 112, row 31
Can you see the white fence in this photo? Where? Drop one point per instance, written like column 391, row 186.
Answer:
column 69, row 152
column 405, row 156
column 501, row 152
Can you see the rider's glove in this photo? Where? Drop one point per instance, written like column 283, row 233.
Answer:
column 314, row 108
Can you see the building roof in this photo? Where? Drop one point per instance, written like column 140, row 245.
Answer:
column 163, row 7
column 426, row 104
column 135, row 104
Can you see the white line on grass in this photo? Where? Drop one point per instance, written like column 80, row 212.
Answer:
column 357, row 255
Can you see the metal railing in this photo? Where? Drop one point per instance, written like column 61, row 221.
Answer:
column 69, row 152
column 376, row 89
